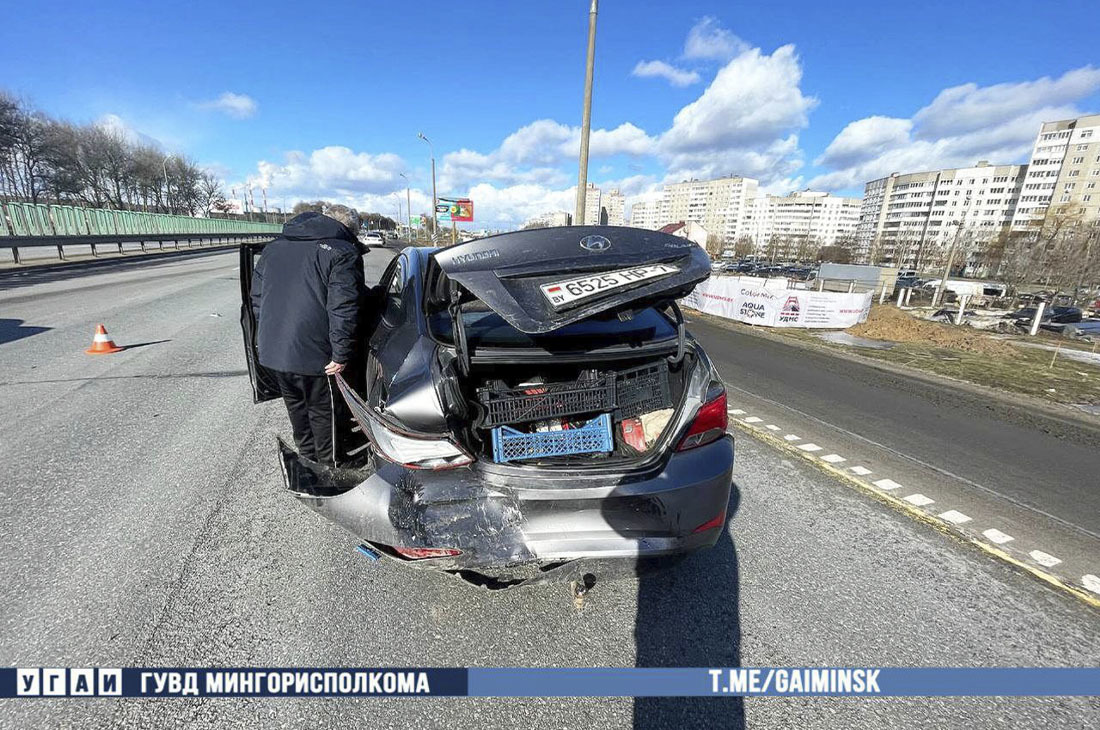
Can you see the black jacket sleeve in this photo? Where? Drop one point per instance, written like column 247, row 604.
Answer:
column 345, row 289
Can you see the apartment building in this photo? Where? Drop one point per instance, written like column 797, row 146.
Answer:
column 816, row 217
column 1063, row 173
column 724, row 206
column 552, row 219
column 613, row 208
column 911, row 219
column 646, row 214
column 593, row 206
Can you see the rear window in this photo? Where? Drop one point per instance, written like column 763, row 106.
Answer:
column 486, row 328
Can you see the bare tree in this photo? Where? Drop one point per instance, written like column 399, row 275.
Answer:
column 714, row 245
column 743, row 246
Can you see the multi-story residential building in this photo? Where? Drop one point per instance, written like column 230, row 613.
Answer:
column 1063, row 174
column 724, row 206
column 817, row 218
column 613, row 208
column 911, row 219
column 593, row 206
column 646, row 214
column 550, row 220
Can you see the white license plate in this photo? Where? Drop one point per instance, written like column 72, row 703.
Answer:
column 561, row 293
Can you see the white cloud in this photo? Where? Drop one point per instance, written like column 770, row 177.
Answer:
column 745, row 122
column 533, row 155
column 970, row 107
column 864, row 139
column 238, row 106
column 707, row 40
column 329, row 172
column 660, row 69
column 962, row 125
column 118, row 126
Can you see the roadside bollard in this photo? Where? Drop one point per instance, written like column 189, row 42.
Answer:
column 1038, row 318
column 908, row 294
column 962, row 307
column 901, row 296
column 882, row 294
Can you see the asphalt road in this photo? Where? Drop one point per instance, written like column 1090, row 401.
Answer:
column 143, row 524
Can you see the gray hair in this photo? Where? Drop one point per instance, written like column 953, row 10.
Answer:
column 348, row 216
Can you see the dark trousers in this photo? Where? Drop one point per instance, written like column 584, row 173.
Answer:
column 310, row 401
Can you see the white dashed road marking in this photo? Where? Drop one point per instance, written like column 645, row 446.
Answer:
column 1091, row 582
column 995, row 535
column 1045, row 559
column 954, row 517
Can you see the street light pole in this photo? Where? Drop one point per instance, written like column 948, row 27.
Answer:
column 586, row 119
column 435, row 200
column 408, row 204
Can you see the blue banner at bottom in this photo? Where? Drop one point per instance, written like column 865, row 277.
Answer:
column 46, row 682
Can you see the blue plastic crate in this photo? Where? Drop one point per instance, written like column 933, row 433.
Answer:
column 512, row 445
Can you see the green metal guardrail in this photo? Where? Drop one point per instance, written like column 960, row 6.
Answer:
column 39, row 219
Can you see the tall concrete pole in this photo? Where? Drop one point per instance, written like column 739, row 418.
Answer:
column 408, row 205
column 435, row 200
column 586, row 120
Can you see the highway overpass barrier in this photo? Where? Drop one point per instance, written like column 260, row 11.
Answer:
column 37, row 225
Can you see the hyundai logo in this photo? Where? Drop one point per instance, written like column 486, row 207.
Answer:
column 595, row 243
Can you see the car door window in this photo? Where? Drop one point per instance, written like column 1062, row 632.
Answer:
column 393, row 309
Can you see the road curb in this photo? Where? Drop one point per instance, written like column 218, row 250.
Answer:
column 915, row 512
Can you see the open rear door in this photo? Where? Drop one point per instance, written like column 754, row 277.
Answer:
column 264, row 386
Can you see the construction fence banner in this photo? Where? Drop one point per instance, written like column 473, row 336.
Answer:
column 755, row 302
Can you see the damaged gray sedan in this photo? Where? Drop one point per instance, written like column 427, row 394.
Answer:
column 533, row 408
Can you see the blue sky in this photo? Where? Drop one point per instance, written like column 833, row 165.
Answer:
column 326, row 101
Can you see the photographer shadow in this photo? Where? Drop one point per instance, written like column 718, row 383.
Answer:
column 688, row 616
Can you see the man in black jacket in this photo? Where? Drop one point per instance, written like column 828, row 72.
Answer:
column 306, row 292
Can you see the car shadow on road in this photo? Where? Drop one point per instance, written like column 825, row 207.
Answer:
column 688, row 615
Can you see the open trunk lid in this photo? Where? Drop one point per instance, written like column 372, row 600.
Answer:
column 540, row 280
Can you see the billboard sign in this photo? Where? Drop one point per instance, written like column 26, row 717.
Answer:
column 455, row 210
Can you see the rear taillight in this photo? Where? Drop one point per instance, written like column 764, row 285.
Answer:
column 709, row 425
column 718, row 521
column 425, row 553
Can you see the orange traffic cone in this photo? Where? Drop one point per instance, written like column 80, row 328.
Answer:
column 102, row 344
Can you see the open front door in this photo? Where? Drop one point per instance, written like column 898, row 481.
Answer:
column 264, row 386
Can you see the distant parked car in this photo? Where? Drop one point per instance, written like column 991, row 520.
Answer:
column 374, row 238
column 1052, row 315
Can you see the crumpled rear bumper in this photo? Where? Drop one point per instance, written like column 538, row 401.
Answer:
column 525, row 528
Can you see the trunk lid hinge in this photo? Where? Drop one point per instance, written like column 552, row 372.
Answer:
column 461, row 344
column 681, row 334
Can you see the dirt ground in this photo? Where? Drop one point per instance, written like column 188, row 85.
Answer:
column 889, row 323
